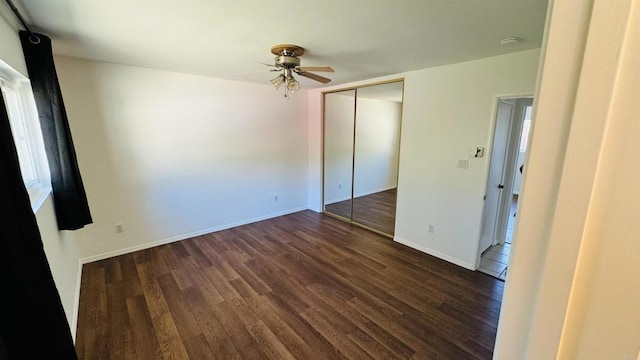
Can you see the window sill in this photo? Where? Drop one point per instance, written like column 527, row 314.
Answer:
column 37, row 195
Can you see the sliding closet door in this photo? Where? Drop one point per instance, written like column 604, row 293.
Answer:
column 339, row 114
column 376, row 153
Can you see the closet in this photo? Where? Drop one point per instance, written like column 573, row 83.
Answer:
column 361, row 140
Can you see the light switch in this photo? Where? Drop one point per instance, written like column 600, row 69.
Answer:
column 463, row 163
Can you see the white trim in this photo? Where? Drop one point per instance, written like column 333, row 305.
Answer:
column 22, row 95
column 38, row 194
column 435, row 253
column 151, row 244
column 76, row 305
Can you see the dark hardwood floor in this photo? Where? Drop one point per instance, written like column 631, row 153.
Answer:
column 377, row 210
column 302, row 286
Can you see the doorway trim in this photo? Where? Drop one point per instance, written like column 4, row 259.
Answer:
column 514, row 132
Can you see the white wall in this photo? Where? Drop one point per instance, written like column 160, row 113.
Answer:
column 170, row 155
column 448, row 111
column 11, row 50
column 60, row 247
column 376, row 145
column 62, row 253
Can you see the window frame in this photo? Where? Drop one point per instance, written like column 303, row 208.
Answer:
column 23, row 116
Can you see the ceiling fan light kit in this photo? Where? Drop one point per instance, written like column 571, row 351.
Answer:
column 278, row 81
column 287, row 61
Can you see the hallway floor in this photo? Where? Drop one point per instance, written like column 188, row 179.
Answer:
column 494, row 261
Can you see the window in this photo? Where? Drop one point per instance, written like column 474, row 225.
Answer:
column 23, row 118
column 19, row 130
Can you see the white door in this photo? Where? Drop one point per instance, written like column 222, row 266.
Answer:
column 495, row 184
column 510, row 167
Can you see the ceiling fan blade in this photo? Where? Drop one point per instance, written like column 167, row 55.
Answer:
column 313, row 76
column 315, row 68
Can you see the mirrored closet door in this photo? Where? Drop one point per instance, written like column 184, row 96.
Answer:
column 361, row 151
column 339, row 117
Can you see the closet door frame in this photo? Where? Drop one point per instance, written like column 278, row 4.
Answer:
column 355, row 88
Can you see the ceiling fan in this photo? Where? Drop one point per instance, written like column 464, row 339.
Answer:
column 287, row 62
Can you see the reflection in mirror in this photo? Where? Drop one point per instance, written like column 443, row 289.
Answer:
column 339, row 115
column 376, row 152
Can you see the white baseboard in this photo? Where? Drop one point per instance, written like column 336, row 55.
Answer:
column 435, row 253
column 76, row 304
column 151, row 244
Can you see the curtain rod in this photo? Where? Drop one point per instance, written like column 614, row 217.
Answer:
column 32, row 36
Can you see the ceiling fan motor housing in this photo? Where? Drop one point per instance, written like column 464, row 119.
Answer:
column 287, row 62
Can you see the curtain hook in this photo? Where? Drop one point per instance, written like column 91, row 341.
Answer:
column 34, row 39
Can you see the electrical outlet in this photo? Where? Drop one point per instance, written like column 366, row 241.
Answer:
column 119, row 228
column 432, row 228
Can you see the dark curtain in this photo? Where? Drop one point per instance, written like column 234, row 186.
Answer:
column 32, row 321
column 70, row 199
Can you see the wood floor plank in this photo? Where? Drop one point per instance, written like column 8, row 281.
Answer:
column 144, row 338
column 175, row 265
column 113, row 272
column 121, row 344
column 337, row 338
column 196, row 254
column 131, row 280
column 198, row 347
column 179, row 307
column 321, row 348
column 237, row 332
column 200, row 281
column 395, row 346
column 166, row 331
column 95, row 341
column 268, row 342
column 283, row 332
column 301, row 286
column 83, row 341
column 212, row 330
column 171, row 344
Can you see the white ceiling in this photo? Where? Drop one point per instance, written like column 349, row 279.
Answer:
column 359, row 39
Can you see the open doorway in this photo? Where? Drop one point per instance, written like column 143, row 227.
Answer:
column 511, row 132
